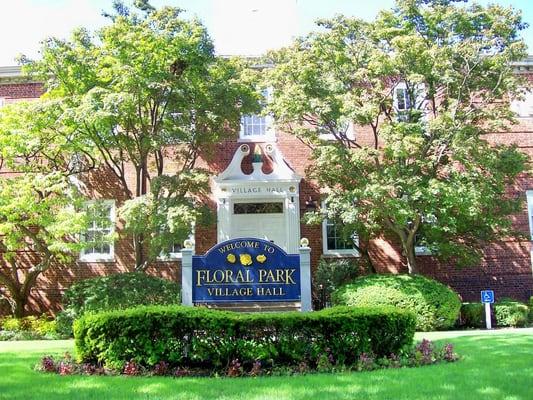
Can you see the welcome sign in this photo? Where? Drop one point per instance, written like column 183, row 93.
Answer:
column 245, row 269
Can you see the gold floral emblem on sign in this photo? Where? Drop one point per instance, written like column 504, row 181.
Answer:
column 261, row 258
column 245, row 259
column 231, row 258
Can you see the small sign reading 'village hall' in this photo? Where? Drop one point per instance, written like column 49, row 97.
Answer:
column 246, row 269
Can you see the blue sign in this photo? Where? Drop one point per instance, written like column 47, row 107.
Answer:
column 245, row 269
column 487, row 296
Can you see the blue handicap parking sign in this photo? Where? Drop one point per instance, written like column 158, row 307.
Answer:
column 487, row 296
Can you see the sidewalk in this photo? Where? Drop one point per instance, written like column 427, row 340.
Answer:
column 474, row 332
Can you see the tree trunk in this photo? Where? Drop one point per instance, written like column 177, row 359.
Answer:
column 409, row 250
column 18, row 304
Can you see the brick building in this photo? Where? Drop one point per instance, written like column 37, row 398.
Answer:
column 259, row 189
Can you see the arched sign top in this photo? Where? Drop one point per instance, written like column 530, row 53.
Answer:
column 245, row 243
column 246, row 269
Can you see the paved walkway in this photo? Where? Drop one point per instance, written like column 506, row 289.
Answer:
column 475, row 332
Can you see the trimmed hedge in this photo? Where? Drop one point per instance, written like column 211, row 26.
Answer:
column 117, row 291
column 435, row 305
column 511, row 313
column 199, row 337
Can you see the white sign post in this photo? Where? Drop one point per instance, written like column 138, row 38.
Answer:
column 487, row 298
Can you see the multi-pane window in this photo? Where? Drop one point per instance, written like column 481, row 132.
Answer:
column 257, row 127
column 335, row 241
column 98, row 236
column 253, row 125
column 403, row 100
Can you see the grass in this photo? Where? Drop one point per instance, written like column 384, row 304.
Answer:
column 493, row 367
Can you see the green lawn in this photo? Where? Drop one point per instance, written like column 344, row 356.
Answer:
column 493, row 367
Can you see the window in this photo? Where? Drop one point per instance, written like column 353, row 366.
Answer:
column 258, row 208
column 98, row 237
column 420, row 248
column 334, row 242
column 257, row 128
column 344, row 129
column 523, row 107
column 174, row 251
column 404, row 102
column 529, row 196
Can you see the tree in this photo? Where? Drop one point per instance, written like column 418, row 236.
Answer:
column 40, row 213
column 426, row 81
column 147, row 90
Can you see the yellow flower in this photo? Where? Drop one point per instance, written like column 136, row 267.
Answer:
column 245, row 259
column 261, row 258
column 231, row 258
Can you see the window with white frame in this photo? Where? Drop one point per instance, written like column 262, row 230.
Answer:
column 529, row 196
column 523, row 107
column 174, row 251
column 421, row 247
column 257, row 128
column 334, row 242
column 98, row 236
column 404, row 101
column 343, row 128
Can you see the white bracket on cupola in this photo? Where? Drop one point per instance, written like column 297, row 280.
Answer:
column 233, row 187
column 281, row 171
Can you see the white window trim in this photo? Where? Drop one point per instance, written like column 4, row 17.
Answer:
column 2, row 101
column 529, row 197
column 350, row 133
column 269, row 136
column 270, row 132
column 523, row 108
column 176, row 256
column 422, row 251
column 336, row 253
column 101, row 257
column 421, row 89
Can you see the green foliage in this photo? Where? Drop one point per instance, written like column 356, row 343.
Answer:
column 28, row 328
column 435, row 305
column 189, row 337
column 39, row 204
column 428, row 169
column 472, row 315
column 141, row 91
column 530, row 305
column 332, row 274
column 116, row 291
column 511, row 313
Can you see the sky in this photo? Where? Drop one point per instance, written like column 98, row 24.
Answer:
column 245, row 27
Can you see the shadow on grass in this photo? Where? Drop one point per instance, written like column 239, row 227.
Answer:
column 496, row 367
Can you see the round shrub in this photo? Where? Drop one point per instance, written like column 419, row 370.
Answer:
column 435, row 305
column 200, row 337
column 116, row 291
column 510, row 313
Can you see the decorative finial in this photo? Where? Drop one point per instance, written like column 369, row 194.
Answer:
column 188, row 244
column 257, row 154
column 304, row 242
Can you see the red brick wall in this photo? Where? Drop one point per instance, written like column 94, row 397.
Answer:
column 506, row 266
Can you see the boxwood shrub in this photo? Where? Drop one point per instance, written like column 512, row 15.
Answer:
column 435, row 305
column 510, row 313
column 472, row 315
column 199, row 337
